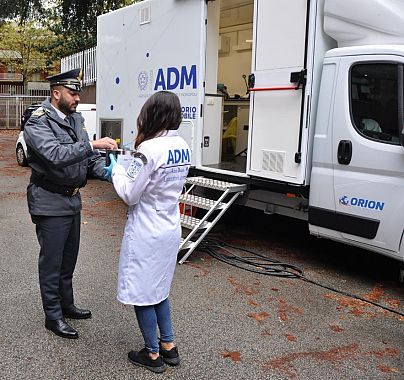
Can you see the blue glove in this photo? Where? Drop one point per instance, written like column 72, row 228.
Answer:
column 108, row 169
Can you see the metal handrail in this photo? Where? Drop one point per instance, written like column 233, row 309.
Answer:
column 275, row 88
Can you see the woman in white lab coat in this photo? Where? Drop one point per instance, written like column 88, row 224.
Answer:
column 151, row 187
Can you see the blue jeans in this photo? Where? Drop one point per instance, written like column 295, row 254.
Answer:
column 149, row 317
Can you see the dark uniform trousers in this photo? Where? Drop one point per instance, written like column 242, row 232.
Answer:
column 59, row 238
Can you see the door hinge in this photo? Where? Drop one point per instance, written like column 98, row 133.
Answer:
column 299, row 77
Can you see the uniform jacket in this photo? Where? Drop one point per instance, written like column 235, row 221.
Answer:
column 151, row 187
column 60, row 153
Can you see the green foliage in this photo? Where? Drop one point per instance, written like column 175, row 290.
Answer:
column 24, row 47
column 20, row 10
column 79, row 20
column 43, row 31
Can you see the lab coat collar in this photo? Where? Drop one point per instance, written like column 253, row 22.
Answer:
column 169, row 133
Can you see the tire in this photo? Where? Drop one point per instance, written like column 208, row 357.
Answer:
column 20, row 155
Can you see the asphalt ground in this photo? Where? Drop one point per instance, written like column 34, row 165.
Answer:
column 229, row 323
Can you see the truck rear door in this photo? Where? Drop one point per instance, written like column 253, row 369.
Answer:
column 148, row 47
column 276, row 118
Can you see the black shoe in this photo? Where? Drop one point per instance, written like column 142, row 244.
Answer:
column 142, row 359
column 61, row 328
column 74, row 312
column 170, row 357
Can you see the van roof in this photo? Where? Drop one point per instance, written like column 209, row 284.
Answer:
column 367, row 50
column 86, row 107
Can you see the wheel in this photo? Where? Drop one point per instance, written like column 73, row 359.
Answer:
column 21, row 159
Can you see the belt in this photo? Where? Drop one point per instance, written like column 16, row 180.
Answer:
column 55, row 188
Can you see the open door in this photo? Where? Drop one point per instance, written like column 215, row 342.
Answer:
column 227, row 105
column 148, row 47
column 276, row 107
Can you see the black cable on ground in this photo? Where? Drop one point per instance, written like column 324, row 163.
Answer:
column 260, row 264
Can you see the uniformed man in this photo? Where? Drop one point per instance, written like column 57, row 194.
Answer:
column 61, row 158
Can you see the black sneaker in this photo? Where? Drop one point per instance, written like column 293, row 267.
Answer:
column 142, row 359
column 170, row 357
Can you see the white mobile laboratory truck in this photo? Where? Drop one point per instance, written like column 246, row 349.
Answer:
column 300, row 100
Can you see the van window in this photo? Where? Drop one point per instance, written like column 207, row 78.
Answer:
column 374, row 101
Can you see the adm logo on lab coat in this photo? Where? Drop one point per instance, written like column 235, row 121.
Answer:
column 177, row 156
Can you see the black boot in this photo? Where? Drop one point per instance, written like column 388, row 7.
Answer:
column 74, row 312
column 61, row 328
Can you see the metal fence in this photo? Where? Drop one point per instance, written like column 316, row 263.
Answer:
column 11, row 89
column 34, row 89
column 12, row 107
column 87, row 60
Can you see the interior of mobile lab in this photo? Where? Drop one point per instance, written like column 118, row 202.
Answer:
column 302, row 103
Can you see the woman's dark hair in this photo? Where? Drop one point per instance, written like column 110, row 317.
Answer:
column 162, row 111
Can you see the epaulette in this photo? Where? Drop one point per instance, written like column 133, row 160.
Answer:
column 39, row 112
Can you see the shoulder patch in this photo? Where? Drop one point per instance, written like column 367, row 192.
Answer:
column 39, row 112
column 135, row 167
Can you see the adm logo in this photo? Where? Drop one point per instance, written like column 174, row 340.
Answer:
column 176, row 78
column 362, row 203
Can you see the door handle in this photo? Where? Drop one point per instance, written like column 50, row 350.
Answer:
column 344, row 152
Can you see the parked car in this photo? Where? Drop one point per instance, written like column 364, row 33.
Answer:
column 87, row 110
column 20, row 146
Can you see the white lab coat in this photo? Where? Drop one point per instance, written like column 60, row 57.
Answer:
column 151, row 187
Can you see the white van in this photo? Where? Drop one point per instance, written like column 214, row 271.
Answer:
column 88, row 111
column 316, row 130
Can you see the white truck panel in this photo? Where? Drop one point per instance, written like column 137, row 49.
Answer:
column 275, row 128
column 280, row 34
column 148, row 47
column 213, row 109
column 322, row 175
column 279, row 50
column 364, row 22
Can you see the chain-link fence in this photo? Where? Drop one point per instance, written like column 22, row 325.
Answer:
column 12, row 107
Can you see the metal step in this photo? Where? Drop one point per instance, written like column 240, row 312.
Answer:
column 204, row 203
column 201, row 227
column 215, row 184
column 187, row 245
column 190, row 222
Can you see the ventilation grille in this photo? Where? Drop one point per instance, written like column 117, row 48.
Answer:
column 273, row 161
column 145, row 15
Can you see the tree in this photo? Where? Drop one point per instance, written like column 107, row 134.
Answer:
column 79, row 19
column 47, row 30
column 20, row 10
column 24, row 47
